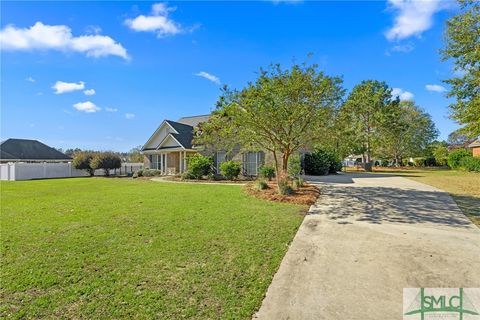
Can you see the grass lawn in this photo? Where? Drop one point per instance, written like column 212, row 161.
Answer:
column 464, row 187
column 119, row 248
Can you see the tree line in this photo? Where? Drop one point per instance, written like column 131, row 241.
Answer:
column 301, row 108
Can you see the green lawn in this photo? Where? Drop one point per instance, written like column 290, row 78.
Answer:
column 464, row 187
column 121, row 248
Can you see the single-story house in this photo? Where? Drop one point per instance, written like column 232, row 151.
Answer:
column 475, row 146
column 25, row 150
column 172, row 142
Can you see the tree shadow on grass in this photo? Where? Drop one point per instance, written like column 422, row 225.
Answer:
column 470, row 206
column 378, row 205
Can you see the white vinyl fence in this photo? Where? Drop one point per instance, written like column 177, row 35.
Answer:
column 46, row 170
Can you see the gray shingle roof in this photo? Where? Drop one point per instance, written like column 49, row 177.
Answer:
column 185, row 133
column 24, row 149
column 194, row 120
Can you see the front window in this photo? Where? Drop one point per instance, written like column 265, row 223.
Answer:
column 252, row 162
column 221, row 157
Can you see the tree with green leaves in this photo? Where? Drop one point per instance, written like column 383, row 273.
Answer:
column 404, row 130
column 283, row 111
column 463, row 46
column 458, row 138
column 362, row 114
column 134, row 154
column 106, row 161
column 82, row 160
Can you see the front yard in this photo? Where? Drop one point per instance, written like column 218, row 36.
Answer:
column 120, row 248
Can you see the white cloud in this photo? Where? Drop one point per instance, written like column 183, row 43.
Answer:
column 111, row 109
column 158, row 22
column 402, row 95
column 58, row 37
column 62, row 87
column 129, row 116
column 435, row 88
column 86, row 106
column 413, row 17
column 30, row 79
column 208, row 76
column 89, row 92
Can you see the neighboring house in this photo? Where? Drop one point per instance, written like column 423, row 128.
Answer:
column 170, row 145
column 475, row 146
column 25, row 150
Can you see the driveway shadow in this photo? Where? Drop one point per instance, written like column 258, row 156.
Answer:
column 346, row 177
column 389, row 205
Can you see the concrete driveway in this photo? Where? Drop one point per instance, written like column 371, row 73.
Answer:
column 368, row 237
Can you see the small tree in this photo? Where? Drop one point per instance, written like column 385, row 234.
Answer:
column 134, row 155
column 82, row 161
column 282, row 111
column 230, row 169
column 440, row 153
column 106, row 161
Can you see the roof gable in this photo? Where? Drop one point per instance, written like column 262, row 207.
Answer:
column 159, row 135
column 182, row 134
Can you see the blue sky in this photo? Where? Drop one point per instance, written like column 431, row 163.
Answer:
column 147, row 61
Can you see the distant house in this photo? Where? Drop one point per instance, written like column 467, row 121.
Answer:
column 475, row 146
column 25, row 150
column 170, row 145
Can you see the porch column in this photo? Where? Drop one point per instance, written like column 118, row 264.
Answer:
column 184, row 161
column 180, row 162
column 166, row 163
column 161, row 163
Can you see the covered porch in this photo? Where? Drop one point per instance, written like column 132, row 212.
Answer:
column 169, row 162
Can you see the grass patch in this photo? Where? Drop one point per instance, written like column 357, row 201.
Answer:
column 121, row 248
column 464, row 187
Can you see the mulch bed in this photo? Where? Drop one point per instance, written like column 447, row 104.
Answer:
column 306, row 195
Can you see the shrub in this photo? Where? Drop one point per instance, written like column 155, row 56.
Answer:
column 456, row 156
column 267, row 172
column 187, row 176
column 261, row 185
column 199, row 166
column 284, row 188
column 151, row 172
column 440, row 153
column 430, row 161
column 294, row 166
column 138, row 173
column 384, row 163
column 470, row 164
column 230, row 169
column 106, row 161
column 297, row 183
column 81, row 161
column 419, row 162
column 322, row 161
